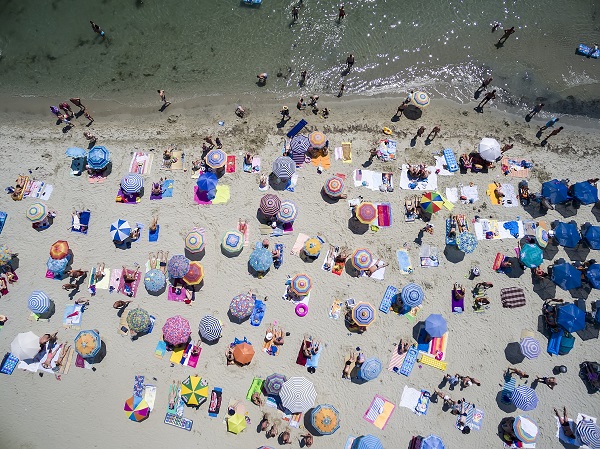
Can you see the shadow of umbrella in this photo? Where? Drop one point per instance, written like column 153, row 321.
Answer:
column 545, row 289
column 412, row 112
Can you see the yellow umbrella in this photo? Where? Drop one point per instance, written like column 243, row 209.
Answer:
column 312, row 246
column 194, row 390
column 236, row 423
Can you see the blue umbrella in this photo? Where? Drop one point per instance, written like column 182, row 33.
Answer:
column 566, row 276
column 367, row 442
column 75, row 152
column 466, row 242
column 132, row 183
column 532, row 255
column 154, row 280
column 370, row 369
column 567, row 234
column 585, row 192
column 524, row 398
column 592, row 237
column 435, row 325
column 207, row 182
column 432, row 442
column 261, row 259
column 593, row 275
column 555, row 191
column 571, row 318
column 39, row 302
column 120, row 230
column 589, row 433
column 57, row 265
column 412, row 295
column 98, row 157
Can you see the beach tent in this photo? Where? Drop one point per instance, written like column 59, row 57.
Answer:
column 325, row 419
column 567, row 234
column 555, row 191
column 489, row 149
column 585, row 192
column 571, row 318
column 566, row 276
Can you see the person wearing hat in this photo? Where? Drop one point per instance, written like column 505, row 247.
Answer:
column 285, row 113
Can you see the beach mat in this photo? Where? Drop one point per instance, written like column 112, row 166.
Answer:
column 175, row 166
column 404, row 261
column 384, row 215
column 347, row 152
column 379, row 412
column 297, row 128
column 141, row 163
column 515, row 168
column 389, row 296
column 153, row 235
column 409, row 361
column 396, row 360
column 167, row 188
column 432, row 361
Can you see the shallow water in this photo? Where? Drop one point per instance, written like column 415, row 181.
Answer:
column 207, row 47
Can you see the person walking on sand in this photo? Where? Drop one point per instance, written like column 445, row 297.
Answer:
column 341, row 92
column 506, row 147
column 522, row 374
column 506, row 35
column 420, row 132
column 67, row 109
column 97, row 29
column 549, row 124
column 285, row 114
column 550, row 381
column 485, row 83
column 163, row 98
column 537, row 108
column 90, row 137
column 350, row 61
column 341, row 13
column 489, row 96
column 262, row 78
column 295, row 13
column 89, row 117
column 77, row 102
column 434, row 132
column 495, row 26
column 303, row 75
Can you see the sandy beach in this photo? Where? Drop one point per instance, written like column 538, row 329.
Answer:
column 85, row 408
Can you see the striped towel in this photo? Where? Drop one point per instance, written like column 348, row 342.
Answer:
column 388, row 297
column 396, row 360
column 376, row 406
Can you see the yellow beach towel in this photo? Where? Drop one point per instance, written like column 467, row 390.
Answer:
column 490, row 192
column 222, row 195
column 323, row 161
column 347, row 152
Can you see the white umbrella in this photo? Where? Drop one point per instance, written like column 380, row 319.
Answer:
column 489, row 149
column 25, row 345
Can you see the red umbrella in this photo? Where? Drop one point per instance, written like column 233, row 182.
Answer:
column 59, row 249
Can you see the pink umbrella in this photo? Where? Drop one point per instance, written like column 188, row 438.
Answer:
column 177, row 330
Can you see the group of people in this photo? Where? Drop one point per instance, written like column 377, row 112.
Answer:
column 271, row 427
column 65, row 114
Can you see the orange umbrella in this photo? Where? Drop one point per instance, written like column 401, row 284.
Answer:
column 243, row 353
column 195, row 273
column 59, row 249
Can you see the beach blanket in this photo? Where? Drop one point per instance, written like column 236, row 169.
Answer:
column 409, row 361
column 215, row 402
column 130, row 288
column 223, row 194
column 347, row 152
column 469, row 419
column 512, row 297
column 230, row 166
column 387, row 149
column 126, row 198
column 423, row 403
column 299, row 245
column 149, row 395
column 371, row 179
column 301, row 359
column 380, row 273
column 115, row 278
column 410, row 398
column 490, row 193
column 153, row 235
column 430, row 183
column 437, row 346
column 384, row 215
column 174, row 166
column 321, row 161
column 396, row 360
column 476, row 419
column 3, row 216
column 516, row 168
column 389, row 296
column 72, row 316
column 458, row 305
column 96, row 179
column 161, row 349
column 561, row 434
column 34, row 189
column 492, row 229
column 452, row 194
column 338, row 153
column 256, row 164
column 510, row 196
column 138, row 386
column 81, row 223
column 141, row 163
column 172, row 294
column 470, row 192
column 379, row 412
column 167, row 188
column 404, row 261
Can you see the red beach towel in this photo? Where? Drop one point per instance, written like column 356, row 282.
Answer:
column 230, row 167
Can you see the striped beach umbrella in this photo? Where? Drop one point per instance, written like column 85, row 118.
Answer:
column 207, row 181
column 525, row 429
column 567, row 234
column 273, row 383
column 317, row 139
column 243, row 353
column 432, row 202
column 301, row 284
column 298, row 394
column 312, row 247
column 195, row 273
column 412, row 295
column 261, row 259
column 366, row 212
column 132, row 183
column 466, row 242
column 284, row 167
column 362, row 259
column 270, row 205
column 210, row 328
column 178, row 266
column 136, row 409
column 59, row 249
column 589, row 433
column 363, row 314
column 524, row 398
column 57, row 265
column 216, row 158
column 139, row 320
column 420, row 99
column 530, row 347
column 5, row 255
column 531, row 255
column 98, row 157
column 325, row 419
column 38, row 302
column 592, row 236
column 154, row 280
column 299, row 145
column 88, row 343
column 585, row 192
column 120, row 230
column 367, row 442
column 593, row 276
column 36, row 212
column 194, row 391
column 566, row 276
column 370, row 369
column 435, row 325
column 233, row 241
column 194, row 240
column 334, row 187
column 176, row 330
column 241, row 306
column 288, row 212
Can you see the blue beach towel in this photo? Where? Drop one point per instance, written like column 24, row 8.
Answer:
column 423, row 403
column 313, row 362
column 258, row 313
column 297, row 128
column 167, row 188
column 153, row 235
column 388, row 298
column 449, row 240
column 404, row 261
column 3, row 216
column 84, row 220
column 409, row 361
column 513, row 228
column 277, row 263
column 554, row 342
column 421, row 345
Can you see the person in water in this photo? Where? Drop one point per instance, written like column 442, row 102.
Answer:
column 97, row 29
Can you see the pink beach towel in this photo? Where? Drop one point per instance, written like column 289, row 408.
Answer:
column 230, row 167
column 201, row 198
column 396, row 360
column 130, row 289
column 173, row 296
column 115, row 278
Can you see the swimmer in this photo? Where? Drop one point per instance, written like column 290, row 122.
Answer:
column 97, row 29
column 341, row 13
column 163, row 98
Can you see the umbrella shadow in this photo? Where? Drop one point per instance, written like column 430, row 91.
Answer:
column 230, row 255
column 98, row 357
column 596, row 211
column 412, row 112
column 550, row 251
column 235, row 319
column 357, row 227
column 328, row 199
column 350, row 270
column 507, row 408
column 277, row 183
column 256, row 274
column 159, row 292
column 513, row 353
column 535, row 210
column 196, row 257
column 516, row 270
column 544, row 288
column 453, row 254
column 51, row 311
column 580, row 252
column 418, row 329
column 566, row 209
column 308, row 423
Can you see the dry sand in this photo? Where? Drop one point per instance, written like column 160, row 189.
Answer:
column 85, row 408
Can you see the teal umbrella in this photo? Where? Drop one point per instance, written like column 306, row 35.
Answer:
column 532, row 255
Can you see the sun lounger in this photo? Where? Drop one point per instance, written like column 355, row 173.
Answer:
column 297, row 128
column 409, row 361
column 450, row 159
column 508, row 388
column 389, row 296
column 215, row 402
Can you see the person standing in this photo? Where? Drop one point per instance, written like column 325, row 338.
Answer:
column 341, row 92
column 536, row 110
column 295, row 13
column 489, row 96
column 553, row 133
column 549, row 124
column 163, row 98
column 434, row 132
column 285, row 113
column 66, row 108
column 262, row 78
column 77, row 102
column 341, row 13
column 89, row 117
column 97, row 29
column 506, row 35
column 420, row 132
column 485, row 83
column 350, row 61
column 506, row 147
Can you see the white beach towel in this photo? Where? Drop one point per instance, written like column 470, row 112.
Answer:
column 373, row 179
column 440, row 162
column 430, row 184
column 150, row 395
column 379, row 274
column 510, row 197
column 410, row 398
column 484, row 225
column 470, row 192
column 561, row 434
column 452, row 194
column 338, row 153
column 45, row 194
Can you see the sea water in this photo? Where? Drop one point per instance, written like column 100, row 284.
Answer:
column 217, row 47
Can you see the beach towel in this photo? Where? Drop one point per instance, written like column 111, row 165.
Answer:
column 161, row 348
column 388, row 297
column 437, row 346
column 172, row 294
column 492, row 230
column 246, row 167
column 190, row 359
column 431, row 361
column 255, row 387
column 175, row 166
column 215, row 402
column 458, row 305
column 115, row 278
column 512, row 297
column 3, row 216
column 379, row 412
column 409, row 361
column 230, row 166
column 510, row 196
column 130, row 288
column 561, row 434
column 46, row 192
column 469, row 418
column 141, row 163
column 81, row 223
column 321, row 161
column 476, row 419
column 410, row 398
column 72, row 316
column 335, row 310
column 149, row 395
column 490, row 193
column 96, row 179
column 430, row 183
column 297, row 128
column 470, row 192
column 201, row 197
column 301, row 360
column 404, row 261
column 396, row 360
column 508, row 388
column 422, row 343
column 384, row 215
column 104, row 283
column 246, row 235
column 126, row 198
column 33, row 189
column 338, row 153
column 380, row 273
column 153, row 235
column 299, row 245
column 554, row 342
column 258, row 312
column 516, row 168
column 177, row 354
column 138, row 386
column 423, row 403
column 256, row 164
column 347, row 152
column 167, row 188
column 428, row 256
column 222, row 195
column 452, row 194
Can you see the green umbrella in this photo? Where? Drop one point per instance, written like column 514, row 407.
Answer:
column 138, row 320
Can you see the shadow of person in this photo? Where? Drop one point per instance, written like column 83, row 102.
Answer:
column 413, row 141
column 478, row 109
column 499, row 44
column 428, row 141
column 163, row 107
column 478, row 93
column 346, row 71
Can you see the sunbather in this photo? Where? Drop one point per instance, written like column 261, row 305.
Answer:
column 76, row 273
column 153, row 261
column 307, row 439
column 135, row 233
column 452, row 380
column 465, row 161
column 462, row 421
column 128, row 276
column 285, row 437
column 263, row 181
column 163, row 259
column 481, row 287
column 376, row 266
column 65, row 351
column 278, row 337
column 47, row 362
column 229, row 356
column 564, row 423
column 242, row 225
column 550, row 381
column 306, row 344
column 452, row 231
column 157, row 188
column 498, row 191
column 468, row 381
column 518, row 372
column 257, row 399
column 47, row 338
column 409, row 205
column 508, row 429
column 273, row 431
column 461, row 222
column 264, row 422
column 481, row 301
column 173, row 394
column 69, row 286
column 120, row 304
column 348, row 365
column 331, row 255
column 99, row 274
column 276, row 253
column 448, row 402
column 459, row 292
column 403, row 347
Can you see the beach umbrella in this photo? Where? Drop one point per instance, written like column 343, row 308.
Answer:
column 370, row 369
column 195, row 274
column 567, row 234
column 362, row 259
column 301, row 284
column 593, row 275
column 435, row 325
column 325, row 419
column 531, row 255
column 432, row 202
column 270, row 205
column 299, row 145
column 317, row 139
column 5, row 255
column 178, row 266
column 334, row 187
column 555, row 191
column 25, row 345
column 120, row 230
column 57, row 265
column 241, row 306
column 88, row 343
column 210, row 328
column 261, row 259
column 298, row 394
column 589, row 433
column 136, row 409
column 466, row 242
column 566, row 276
column 367, row 442
column 38, row 302
column 525, row 429
column 288, row 212
column 489, row 149
column 176, row 330
column 412, row 295
column 59, row 249
column 592, row 237
column 132, row 183
column 243, row 353
column 236, row 423
column 530, row 347
column 312, row 247
column 233, row 241
column 366, row 212
column 194, row 391
column 154, row 280
column 420, row 99
column 585, row 192
column 207, row 181
column 363, row 314
column 284, row 167
column 139, row 320
column 194, row 241
column 542, row 236
column 524, row 398
column 36, row 212
column 571, row 318
column 216, row 158
column 432, row 442
column 273, row 383
column 75, row 152
column 98, row 158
